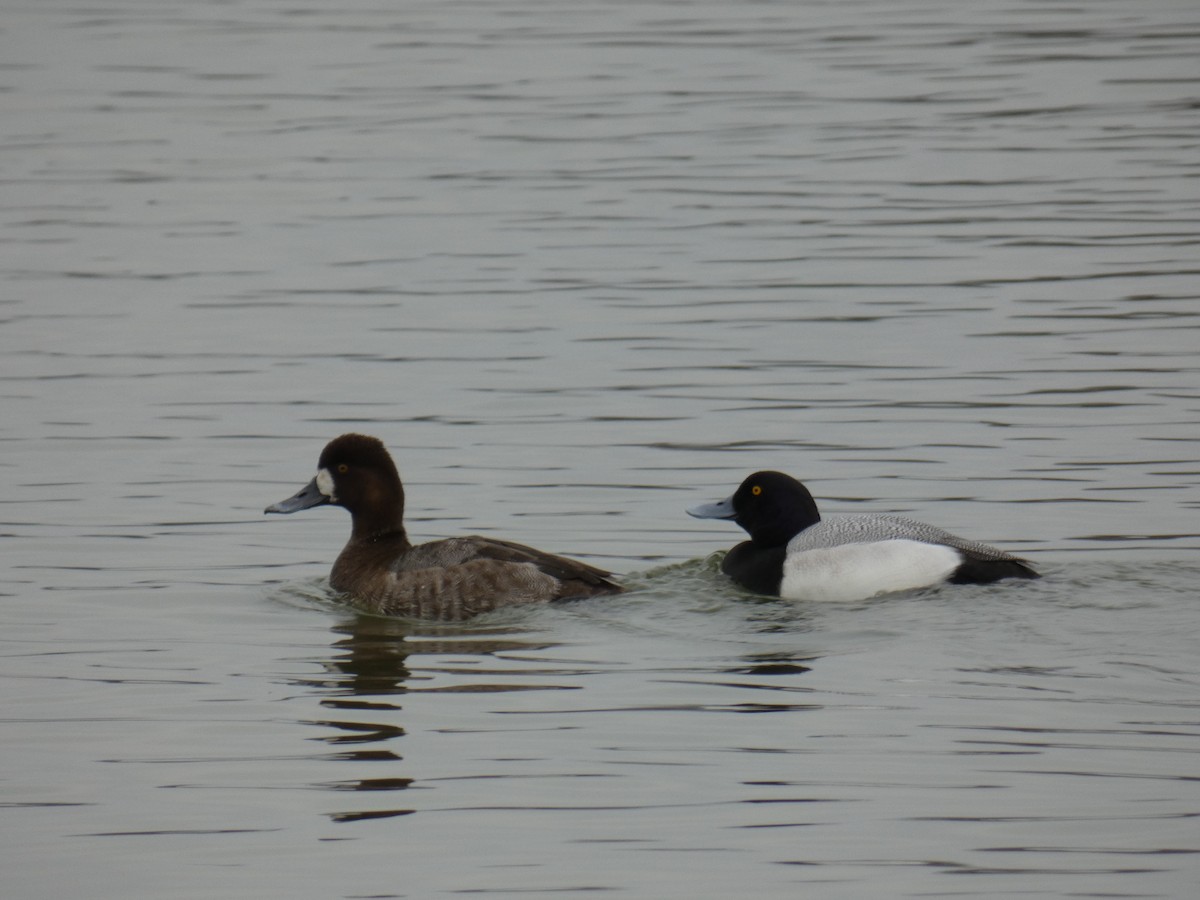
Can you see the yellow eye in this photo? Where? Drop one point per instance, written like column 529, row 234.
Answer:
column 343, row 468
column 756, row 490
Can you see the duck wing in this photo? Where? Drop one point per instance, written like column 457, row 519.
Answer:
column 572, row 573
column 833, row 531
column 577, row 579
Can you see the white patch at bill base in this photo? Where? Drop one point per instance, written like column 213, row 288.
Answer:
column 325, row 483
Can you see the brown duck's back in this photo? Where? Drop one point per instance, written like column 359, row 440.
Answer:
column 460, row 577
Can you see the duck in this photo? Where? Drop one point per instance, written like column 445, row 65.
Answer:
column 795, row 554
column 382, row 572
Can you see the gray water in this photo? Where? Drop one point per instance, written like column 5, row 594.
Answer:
column 581, row 265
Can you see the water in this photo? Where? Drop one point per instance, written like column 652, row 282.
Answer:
column 582, row 266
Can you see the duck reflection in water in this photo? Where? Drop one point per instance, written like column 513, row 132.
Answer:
column 368, row 669
column 373, row 657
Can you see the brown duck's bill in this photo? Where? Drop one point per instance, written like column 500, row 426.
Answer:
column 307, row 497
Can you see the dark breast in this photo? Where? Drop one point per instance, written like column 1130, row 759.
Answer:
column 758, row 569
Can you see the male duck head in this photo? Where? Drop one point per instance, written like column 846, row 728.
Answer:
column 772, row 508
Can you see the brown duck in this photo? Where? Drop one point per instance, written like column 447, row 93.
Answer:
column 456, row 578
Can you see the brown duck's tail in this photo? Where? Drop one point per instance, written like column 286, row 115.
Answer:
column 580, row 589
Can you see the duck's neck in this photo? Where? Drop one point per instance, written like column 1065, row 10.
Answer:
column 380, row 532
column 379, row 522
column 788, row 524
column 381, row 517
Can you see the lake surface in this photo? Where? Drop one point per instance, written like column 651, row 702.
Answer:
column 580, row 266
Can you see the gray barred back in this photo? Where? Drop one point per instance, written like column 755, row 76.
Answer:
column 836, row 530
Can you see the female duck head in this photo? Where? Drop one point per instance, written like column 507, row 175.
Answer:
column 356, row 473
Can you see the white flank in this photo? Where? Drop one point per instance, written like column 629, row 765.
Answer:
column 325, row 483
column 858, row 571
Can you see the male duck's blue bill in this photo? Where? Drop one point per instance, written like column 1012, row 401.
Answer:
column 456, row 578
column 796, row 554
column 718, row 509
